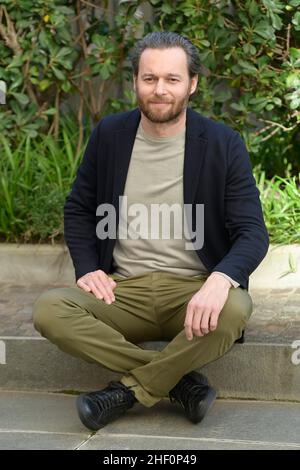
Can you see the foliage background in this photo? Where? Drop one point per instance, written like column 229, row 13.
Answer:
column 66, row 65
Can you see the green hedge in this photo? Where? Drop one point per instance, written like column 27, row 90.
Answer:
column 250, row 52
column 250, row 79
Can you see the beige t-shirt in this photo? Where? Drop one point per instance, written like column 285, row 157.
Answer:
column 155, row 176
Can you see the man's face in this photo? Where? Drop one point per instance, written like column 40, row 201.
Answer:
column 163, row 85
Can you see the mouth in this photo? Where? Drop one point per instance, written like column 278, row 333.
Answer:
column 159, row 102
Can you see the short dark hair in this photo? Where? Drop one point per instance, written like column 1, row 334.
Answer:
column 166, row 40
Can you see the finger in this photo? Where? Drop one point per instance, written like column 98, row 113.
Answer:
column 112, row 283
column 188, row 322
column 83, row 286
column 213, row 323
column 97, row 291
column 204, row 324
column 106, row 289
column 197, row 321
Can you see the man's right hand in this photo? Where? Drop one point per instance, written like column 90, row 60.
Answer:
column 99, row 284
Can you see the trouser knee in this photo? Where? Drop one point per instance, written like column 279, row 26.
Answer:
column 234, row 317
column 45, row 312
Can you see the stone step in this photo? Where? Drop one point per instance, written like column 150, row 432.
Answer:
column 44, row 264
column 261, row 371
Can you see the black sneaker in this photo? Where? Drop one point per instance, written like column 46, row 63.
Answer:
column 194, row 394
column 96, row 409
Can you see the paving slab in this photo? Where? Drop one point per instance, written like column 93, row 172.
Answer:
column 49, row 421
column 16, row 440
column 32, row 420
column 238, row 420
column 228, row 425
column 188, row 444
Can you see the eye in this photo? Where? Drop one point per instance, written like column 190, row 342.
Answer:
column 173, row 80
column 148, row 79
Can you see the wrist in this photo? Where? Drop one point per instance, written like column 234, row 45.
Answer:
column 221, row 280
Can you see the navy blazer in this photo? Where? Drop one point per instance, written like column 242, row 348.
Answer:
column 217, row 173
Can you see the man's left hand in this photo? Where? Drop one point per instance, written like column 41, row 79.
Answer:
column 205, row 306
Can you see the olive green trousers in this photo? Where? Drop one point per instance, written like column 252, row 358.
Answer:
column 148, row 307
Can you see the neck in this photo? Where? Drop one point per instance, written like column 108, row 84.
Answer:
column 163, row 129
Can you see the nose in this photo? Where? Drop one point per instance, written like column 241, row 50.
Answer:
column 160, row 87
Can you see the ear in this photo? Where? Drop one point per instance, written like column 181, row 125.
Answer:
column 194, row 83
column 134, row 82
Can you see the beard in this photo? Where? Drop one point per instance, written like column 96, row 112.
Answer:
column 173, row 110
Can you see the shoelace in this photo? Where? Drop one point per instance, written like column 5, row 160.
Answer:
column 113, row 399
column 186, row 392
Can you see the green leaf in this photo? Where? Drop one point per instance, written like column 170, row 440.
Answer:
column 294, row 3
column 220, row 21
column 223, row 96
column 104, row 72
column 34, row 80
column 21, row 98
column 31, row 132
column 276, row 21
column 34, row 71
column 204, row 43
column 236, row 69
column 44, row 84
column 238, row 106
column 295, row 103
column 296, row 20
column 264, row 30
column 64, row 36
column 43, row 39
column 165, row 8
column 63, row 52
column 50, row 112
column 58, row 73
column 249, row 49
column 16, row 83
column 66, row 86
column 67, row 65
column 65, row 10
column 293, row 80
column 253, row 8
column 247, row 66
column 294, row 53
column 16, row 62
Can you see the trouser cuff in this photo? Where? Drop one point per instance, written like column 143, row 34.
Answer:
column 144, row 397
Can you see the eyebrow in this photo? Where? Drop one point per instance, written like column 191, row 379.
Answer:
column 170, row 75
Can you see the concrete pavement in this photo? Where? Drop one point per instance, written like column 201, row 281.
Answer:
column 49, row 421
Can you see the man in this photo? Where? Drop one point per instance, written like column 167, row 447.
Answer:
column 134, row 288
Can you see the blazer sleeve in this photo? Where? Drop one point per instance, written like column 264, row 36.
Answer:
column 244, row 221
column 80, row 212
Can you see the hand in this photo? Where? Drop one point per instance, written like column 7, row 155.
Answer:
column 99, row 284
column 204, row 308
